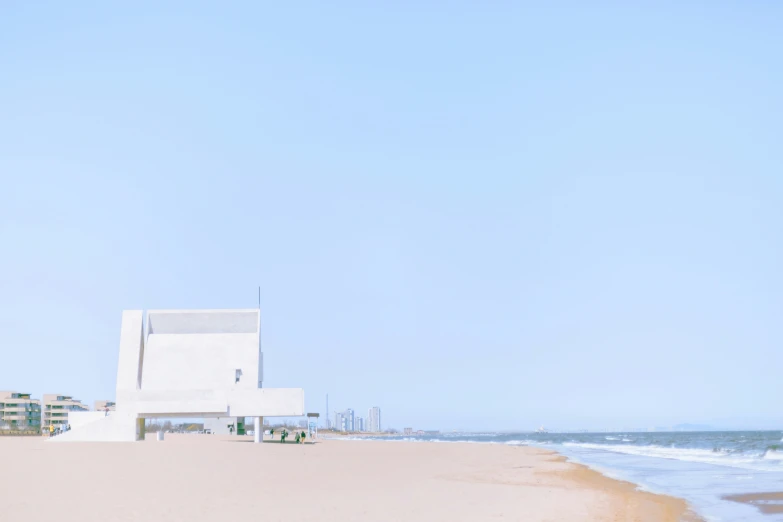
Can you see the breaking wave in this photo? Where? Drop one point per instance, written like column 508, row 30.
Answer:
column 720, row 456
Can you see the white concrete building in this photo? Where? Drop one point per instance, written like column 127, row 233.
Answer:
column 186, row 364
column 374, row 419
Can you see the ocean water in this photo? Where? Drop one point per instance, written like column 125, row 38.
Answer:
column 701, row 467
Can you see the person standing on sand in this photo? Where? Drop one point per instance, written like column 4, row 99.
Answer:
column 302, row 437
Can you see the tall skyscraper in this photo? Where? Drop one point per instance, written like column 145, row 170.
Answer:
column 358, row 424
column 349, row 420
column 374, row 419
column 344, row 420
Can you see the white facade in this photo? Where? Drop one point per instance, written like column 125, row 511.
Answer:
column 374, row 419
column 188, row 363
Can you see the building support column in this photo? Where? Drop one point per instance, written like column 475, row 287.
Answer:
column 258, row 429
column 141, row 428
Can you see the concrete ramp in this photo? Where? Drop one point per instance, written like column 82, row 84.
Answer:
column 96, row 426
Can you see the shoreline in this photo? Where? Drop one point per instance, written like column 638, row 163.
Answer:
column 211, row 477
column 629, row 498
column 670, row 507
column 734, row 475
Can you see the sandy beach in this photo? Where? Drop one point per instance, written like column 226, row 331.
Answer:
column 203, row 477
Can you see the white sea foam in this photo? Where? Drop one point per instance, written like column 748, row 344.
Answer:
column 720, row 457
column 520, row 442
column 771, row 454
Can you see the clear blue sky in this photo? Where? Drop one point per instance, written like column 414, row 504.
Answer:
column 471, row 215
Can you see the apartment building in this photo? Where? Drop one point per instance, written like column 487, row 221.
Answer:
column 18, row 411
column 56, row 408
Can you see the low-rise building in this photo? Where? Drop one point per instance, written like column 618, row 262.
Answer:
column 56, row 408
column 18, row 411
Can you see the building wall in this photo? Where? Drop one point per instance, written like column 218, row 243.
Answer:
column 19, row 411
column 220, row 350
column 219, row 425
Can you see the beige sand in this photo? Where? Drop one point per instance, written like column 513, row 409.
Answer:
column 209, row 478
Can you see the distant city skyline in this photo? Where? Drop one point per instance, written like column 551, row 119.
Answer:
column 347, row 420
